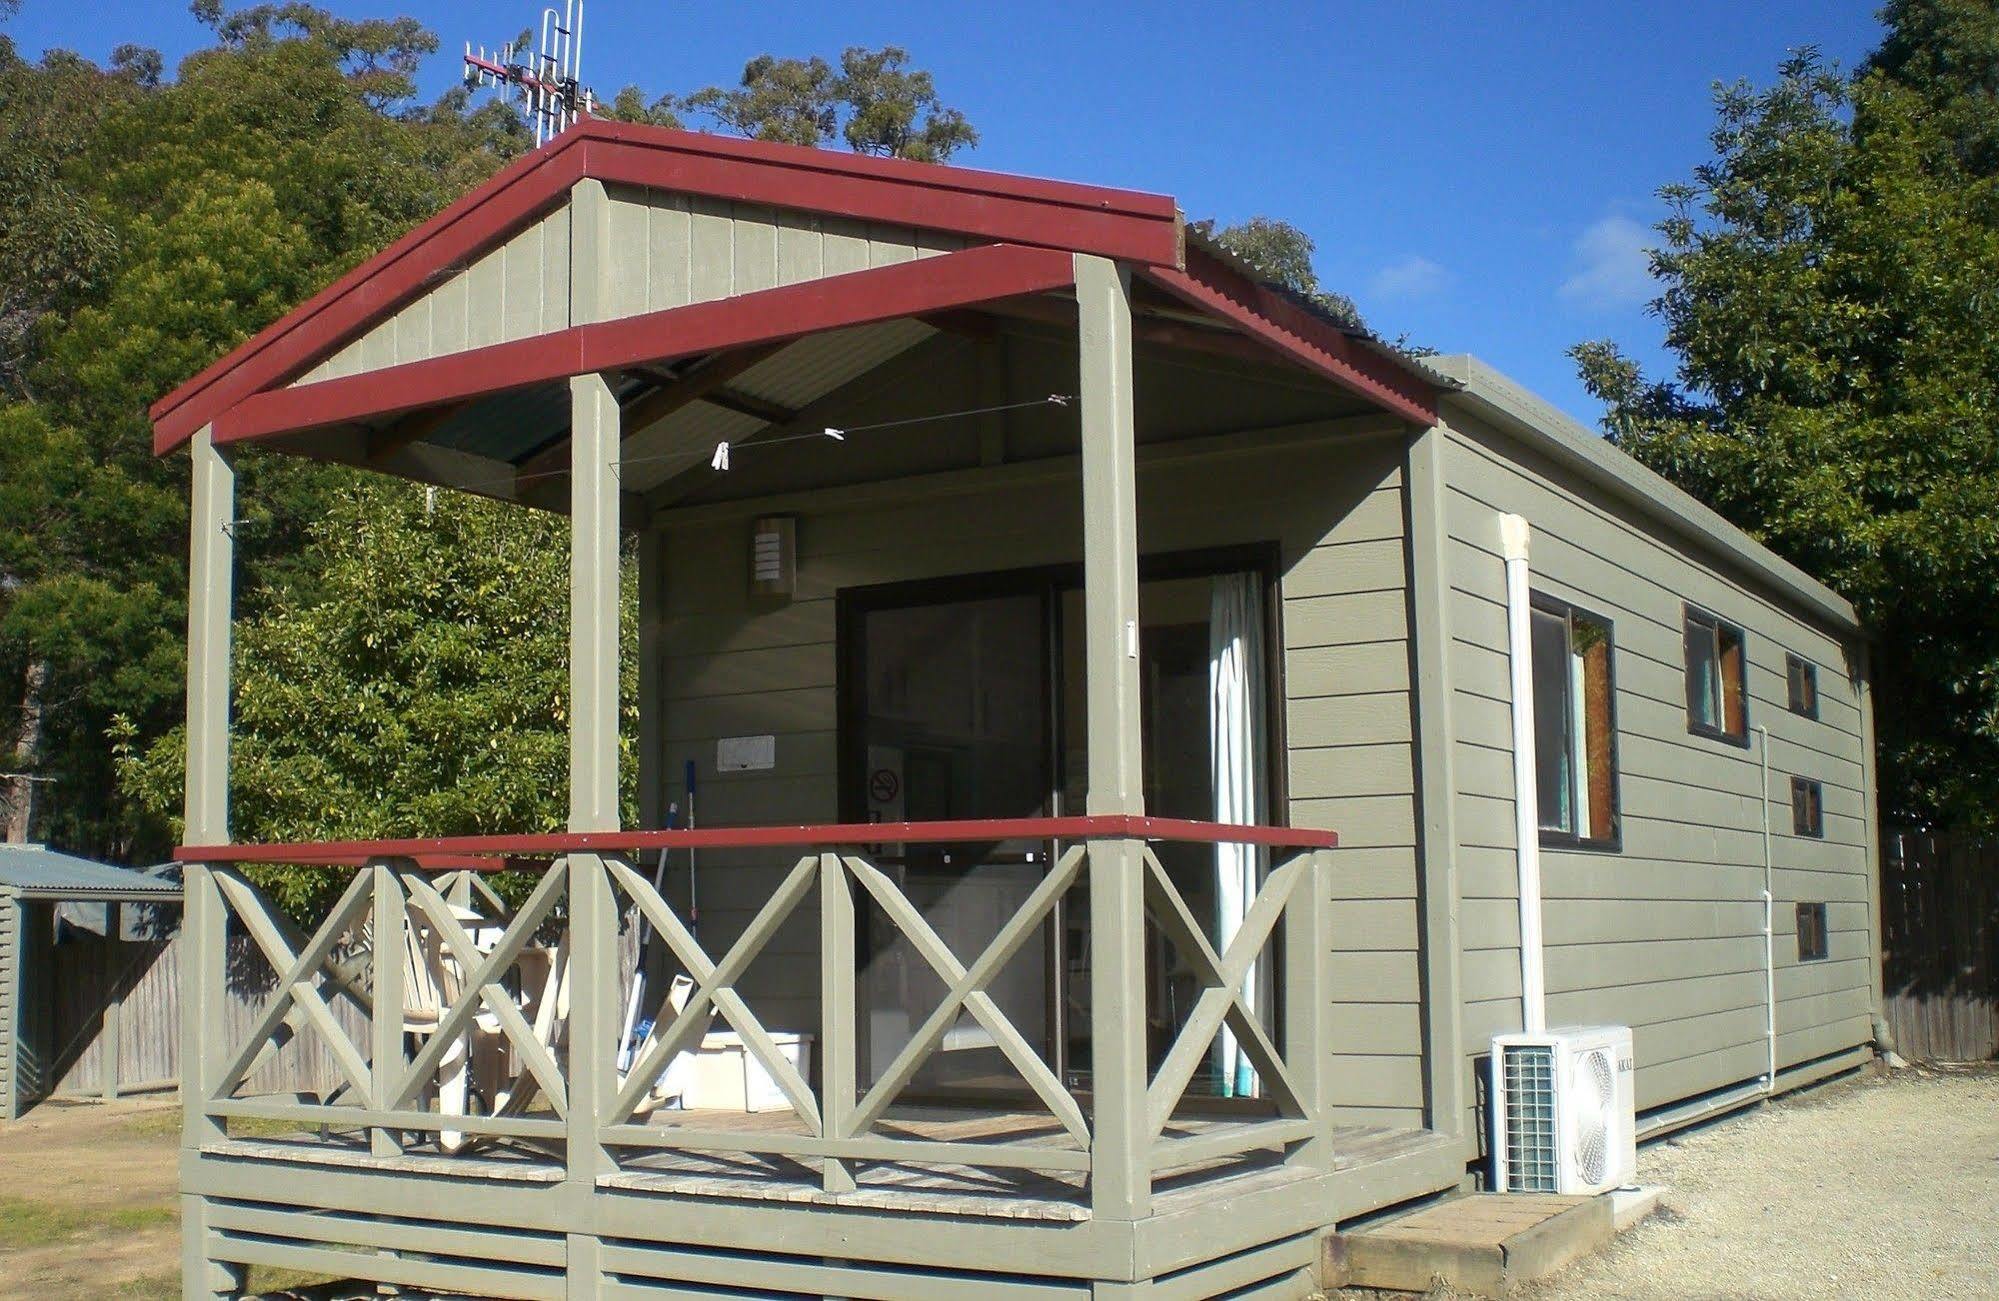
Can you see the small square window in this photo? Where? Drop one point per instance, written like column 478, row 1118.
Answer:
column 1807, row 808
column 1801, row 681
column 1717, row 678
column 1812, row 940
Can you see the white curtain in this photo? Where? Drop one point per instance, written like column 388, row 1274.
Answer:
column 1235, row 747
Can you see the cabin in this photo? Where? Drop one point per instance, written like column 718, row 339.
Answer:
column 1098, row 722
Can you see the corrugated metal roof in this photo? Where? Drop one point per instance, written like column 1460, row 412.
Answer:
column 38, row 871
column 507, row 426
column 810, row 368
column 801, row 373
column 513, row 426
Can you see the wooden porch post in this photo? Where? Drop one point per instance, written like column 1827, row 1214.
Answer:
column 1121, row 1160
column 204, row 923
column 111, row 1028
column 595, row 443
column 593, row 795
column 1308, row 1002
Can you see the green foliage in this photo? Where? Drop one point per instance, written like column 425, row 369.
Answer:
column 885, row 103
column 421, row 688
column 160, row 224
column 872, row 100
column 1946, row 53
column 790, row 101
column 1282, row 254
column 1827, row 288
column 53, row 246
column 631, row 105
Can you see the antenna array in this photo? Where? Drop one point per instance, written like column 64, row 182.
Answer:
column 550, row 85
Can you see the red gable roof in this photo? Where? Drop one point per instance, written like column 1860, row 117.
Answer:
column 1134, row 227
column 1021, row 210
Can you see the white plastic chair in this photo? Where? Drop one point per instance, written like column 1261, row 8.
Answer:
column 551, row 1029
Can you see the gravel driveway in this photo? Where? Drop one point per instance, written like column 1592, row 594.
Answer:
column 1884, row 1188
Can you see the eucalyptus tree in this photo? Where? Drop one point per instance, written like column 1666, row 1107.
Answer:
column 1826, row 285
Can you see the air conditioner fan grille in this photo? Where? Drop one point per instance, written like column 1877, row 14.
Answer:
column 1529, row 1072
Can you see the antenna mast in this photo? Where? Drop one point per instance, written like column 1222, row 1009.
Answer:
column 550, row 86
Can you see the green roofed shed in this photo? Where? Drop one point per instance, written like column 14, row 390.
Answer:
column 34, row 881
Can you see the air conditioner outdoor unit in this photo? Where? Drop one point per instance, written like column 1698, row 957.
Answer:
column 1562, row 1118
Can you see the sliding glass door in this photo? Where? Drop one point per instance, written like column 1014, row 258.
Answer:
column 951, row 722
column 1203, row 710
column 966, row 700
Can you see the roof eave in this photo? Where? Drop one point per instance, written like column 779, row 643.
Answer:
column 1542, row 426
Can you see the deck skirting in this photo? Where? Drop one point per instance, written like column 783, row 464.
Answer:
column 505, row 1228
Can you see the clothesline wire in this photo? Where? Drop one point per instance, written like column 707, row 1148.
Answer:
column 829, row 433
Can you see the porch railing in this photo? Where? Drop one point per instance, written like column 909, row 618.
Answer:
column 565, row 1103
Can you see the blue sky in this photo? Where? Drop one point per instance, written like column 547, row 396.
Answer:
column 1480, row 177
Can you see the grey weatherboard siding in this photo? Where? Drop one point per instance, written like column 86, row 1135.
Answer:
column 10, row 922
column 1665, row 934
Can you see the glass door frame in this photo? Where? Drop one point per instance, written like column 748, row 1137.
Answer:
column 1050, row 582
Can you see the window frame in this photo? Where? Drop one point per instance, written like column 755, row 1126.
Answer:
column 1817, row 929
column 1799, row 670
column 1695, row 615
column 1808, row 816
column 1577, row 840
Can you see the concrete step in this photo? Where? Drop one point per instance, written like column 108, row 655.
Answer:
column 1485, row 1244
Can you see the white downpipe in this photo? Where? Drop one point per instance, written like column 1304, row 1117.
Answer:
column 1769, row 919
column 1513, row 537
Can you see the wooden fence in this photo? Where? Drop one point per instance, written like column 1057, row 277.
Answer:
column 126, row 993
column 1940, row 932
column 124, row 996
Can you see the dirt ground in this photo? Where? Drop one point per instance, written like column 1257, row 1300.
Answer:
column 1879, row 1188
column 87, row 1201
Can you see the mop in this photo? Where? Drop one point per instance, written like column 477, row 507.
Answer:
column 636, row 1031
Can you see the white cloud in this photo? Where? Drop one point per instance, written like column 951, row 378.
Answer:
column 1411, row 277
column 1612, row 265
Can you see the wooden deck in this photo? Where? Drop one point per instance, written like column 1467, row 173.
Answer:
column 958, row 1190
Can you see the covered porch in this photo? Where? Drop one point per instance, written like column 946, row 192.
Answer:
column 1046, row 998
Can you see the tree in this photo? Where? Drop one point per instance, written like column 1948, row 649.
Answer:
column 885, row 104
column 52, row 246
column 1826, row 287
column 1282, row 254
column 155, row 232
column 420, row 688
column 872, row 100
column 1946, row 54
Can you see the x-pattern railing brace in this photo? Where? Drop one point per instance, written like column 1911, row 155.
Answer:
column 482, row 987
column 967, row 992
column 299, row 964
column 297, row 993
column 1221, row 1003
column 714, row 988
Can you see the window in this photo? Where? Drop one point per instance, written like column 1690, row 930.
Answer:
column 1717, row 692
column 1807, row 808
column 1801, row 681
column 1812, row 945
column 1575, row 726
